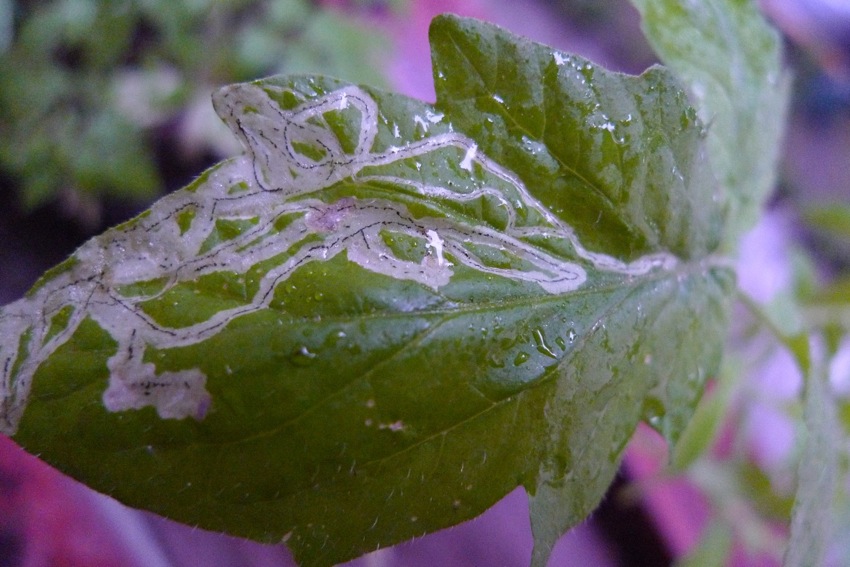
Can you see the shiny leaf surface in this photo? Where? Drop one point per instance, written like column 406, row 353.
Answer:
column 731, row 61
column 387, row 315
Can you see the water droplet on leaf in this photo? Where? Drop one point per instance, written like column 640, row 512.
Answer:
column 302, row 357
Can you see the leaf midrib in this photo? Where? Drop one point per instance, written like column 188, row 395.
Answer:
column 544, row 379
column 636, row 285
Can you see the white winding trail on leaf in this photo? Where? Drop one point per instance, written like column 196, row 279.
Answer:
column 292, row 155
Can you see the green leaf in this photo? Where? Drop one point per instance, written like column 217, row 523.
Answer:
column 707, row 419
column 817, row 471
column 713, row 549
column 833, row 219
column 730, row 58
column 615, row 156
column 387, row 314
column 829, row 308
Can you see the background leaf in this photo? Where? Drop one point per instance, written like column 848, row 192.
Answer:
column 833, row 219
column 817, row 472
column 387, row 315
column 730, row 59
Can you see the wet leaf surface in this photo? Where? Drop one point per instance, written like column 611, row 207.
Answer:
column 387, row 314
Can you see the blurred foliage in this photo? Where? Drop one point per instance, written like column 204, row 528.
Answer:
column 87, row 86
column 834, row 219
column 750, row 496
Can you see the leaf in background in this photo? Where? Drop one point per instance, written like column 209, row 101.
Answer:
column 833, row 219
column 817, row 473
column 387, row 315
column 713, row 549
column 730, row 58
column 707, row 419
column 831, row 224
column 829, row 309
